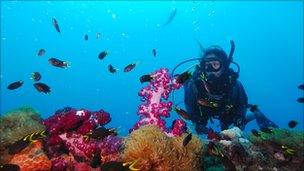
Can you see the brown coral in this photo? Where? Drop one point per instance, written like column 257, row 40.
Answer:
column 154, row 150
column 15, row 125
column 32, row 158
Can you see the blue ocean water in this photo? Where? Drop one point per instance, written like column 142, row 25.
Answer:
column 268, row 37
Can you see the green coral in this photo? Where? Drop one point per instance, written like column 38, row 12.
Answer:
column 286, row 137
column 16, row 124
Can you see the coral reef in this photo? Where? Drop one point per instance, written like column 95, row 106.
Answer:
column 110, row 148
column 16, row 124
column 32, row 158
column 279, row 149
column 154, row 108
column 68, row 143
column 283, row 148
column 69, row 119
column 67, row 128
column 154, row 150
column 73, row 139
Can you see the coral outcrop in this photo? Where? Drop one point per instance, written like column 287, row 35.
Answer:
column 154, row 150
column 16, row 124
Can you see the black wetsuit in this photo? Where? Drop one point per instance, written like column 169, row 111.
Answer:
column 231, row 104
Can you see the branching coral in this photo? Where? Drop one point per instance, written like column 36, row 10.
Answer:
column 155, row 106
column 154, row 150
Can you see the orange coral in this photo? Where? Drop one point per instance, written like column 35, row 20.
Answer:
column 32, row 158
column 156, row 151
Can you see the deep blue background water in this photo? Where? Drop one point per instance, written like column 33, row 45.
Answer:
column 268, row 36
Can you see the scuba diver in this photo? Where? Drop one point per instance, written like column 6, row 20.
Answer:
column 213, row 92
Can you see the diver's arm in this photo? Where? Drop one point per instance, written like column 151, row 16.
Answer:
column 192, row 107
column 241, row 107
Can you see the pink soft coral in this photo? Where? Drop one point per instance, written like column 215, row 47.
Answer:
column 155, row 107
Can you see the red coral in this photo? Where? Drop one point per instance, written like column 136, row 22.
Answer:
column 72, row 119
column 111, row 147
column 67, row 129
column 77, row 146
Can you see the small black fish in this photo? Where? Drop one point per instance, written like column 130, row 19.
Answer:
column 41, row 52
column 55, row 24
column 21, row 144
column 112, row 69
column 129, row 67
column 154, row 52
column 36, row 76
column 182, row 78
column 187, row 139
column 300, row 100
column 213, row 150
column 96, row 160
column 80, row 159
column 207, row 103
column 292, row 124
column 255, row 132
column 9, row 167
column 58, row 63
column 102, row 132
column 15, row 85
column 267, row 130
column 102, row 55
column 41, row 87
column 182, row 113
column 288, row 151
column 86, row 37
column 145, row 78
column 17, row 146
column 301, row 87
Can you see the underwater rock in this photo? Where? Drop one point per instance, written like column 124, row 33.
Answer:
column 154, row 150
column 15, row 125
column 232, row 133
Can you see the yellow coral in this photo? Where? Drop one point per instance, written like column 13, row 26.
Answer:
column 154, row 150
column 17, row 124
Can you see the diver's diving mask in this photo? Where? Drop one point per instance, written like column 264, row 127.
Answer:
column 212, row 63
column 212, row 66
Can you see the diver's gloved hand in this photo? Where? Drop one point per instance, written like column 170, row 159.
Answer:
column 200, row 129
